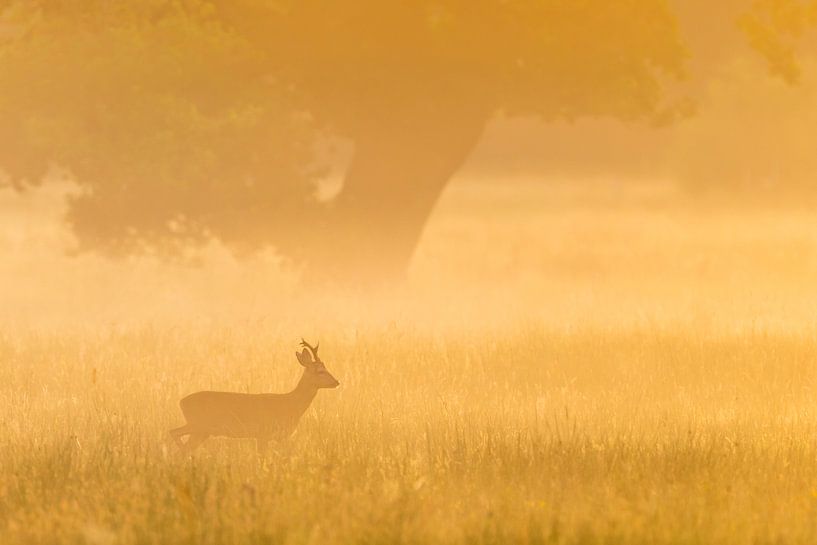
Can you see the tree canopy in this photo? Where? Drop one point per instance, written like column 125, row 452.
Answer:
column 166, row 119
column 183, row 120
column 775, row 28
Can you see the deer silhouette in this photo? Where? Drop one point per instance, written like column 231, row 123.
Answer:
column 260, row 416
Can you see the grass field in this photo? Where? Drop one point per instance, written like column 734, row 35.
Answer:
column 601, row 366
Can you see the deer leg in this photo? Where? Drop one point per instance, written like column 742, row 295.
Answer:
column 178, row 433
column 194, row 441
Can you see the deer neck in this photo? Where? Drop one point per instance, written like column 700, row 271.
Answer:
column 303, row 394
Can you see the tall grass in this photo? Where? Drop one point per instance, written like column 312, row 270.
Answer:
column 529, row 436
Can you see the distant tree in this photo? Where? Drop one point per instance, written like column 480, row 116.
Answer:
column 752, row 137
column 169, row 121
column 190, row 119
column 775, row 28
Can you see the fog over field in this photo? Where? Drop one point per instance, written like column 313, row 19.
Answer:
column 592, row 253
column 433, row 272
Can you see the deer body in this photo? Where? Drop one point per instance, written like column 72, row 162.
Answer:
column 259, row 416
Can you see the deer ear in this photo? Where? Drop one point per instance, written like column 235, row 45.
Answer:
column 304, row 358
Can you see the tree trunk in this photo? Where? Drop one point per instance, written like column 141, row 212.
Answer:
column 389, row 192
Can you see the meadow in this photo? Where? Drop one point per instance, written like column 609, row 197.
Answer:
column 581, row 365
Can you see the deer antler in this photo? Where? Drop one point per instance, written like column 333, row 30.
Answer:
column 313, row 349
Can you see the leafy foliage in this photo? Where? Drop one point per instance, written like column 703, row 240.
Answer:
column 193, row 119
column 774, row 27
column 165, row 117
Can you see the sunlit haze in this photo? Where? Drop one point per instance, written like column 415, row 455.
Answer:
column 363, row 271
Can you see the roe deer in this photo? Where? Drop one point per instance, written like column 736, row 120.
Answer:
column 259, row 416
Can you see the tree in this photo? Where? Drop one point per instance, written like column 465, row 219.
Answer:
column 166, row 119
column 775, row 28
column 189, row 119
column 751, row 140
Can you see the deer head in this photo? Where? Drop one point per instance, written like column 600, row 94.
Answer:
column 314, row 370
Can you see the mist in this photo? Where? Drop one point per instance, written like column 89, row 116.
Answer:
column 429, row 272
